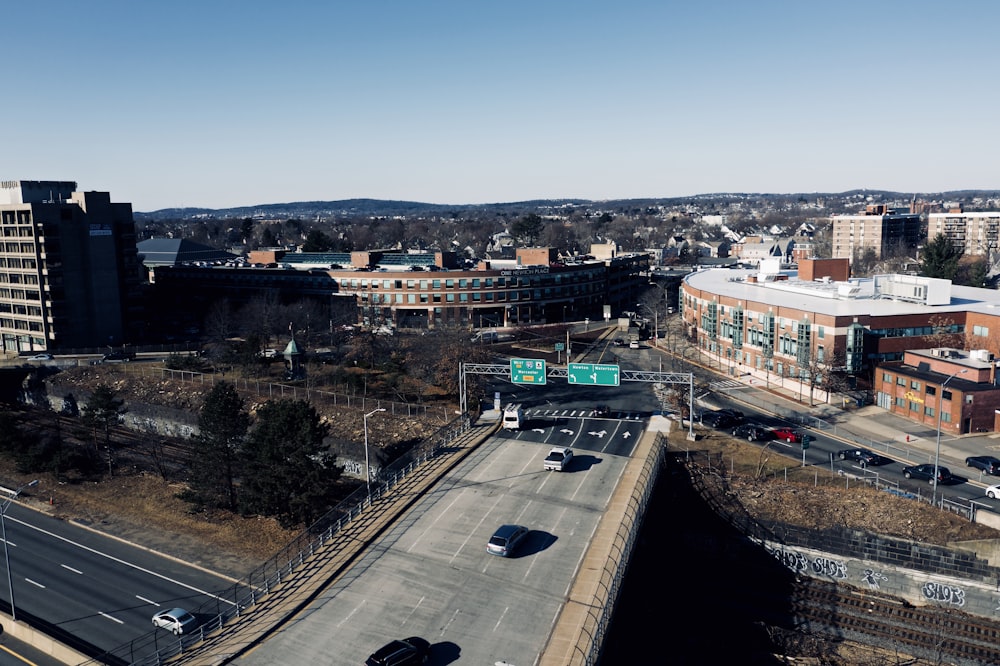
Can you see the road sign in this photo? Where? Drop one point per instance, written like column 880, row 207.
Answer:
column 593, row 374
column 560, row 346
column 527, row 371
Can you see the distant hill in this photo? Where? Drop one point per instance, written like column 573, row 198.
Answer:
column 388, row 208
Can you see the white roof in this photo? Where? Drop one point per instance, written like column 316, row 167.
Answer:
column 830, row 299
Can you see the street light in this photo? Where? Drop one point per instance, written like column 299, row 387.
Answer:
column 368, row 469
column 6, row 553
column 937, row 449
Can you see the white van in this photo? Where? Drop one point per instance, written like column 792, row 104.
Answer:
column 513, row 417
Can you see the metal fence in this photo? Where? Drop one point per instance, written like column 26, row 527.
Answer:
column 154, row 649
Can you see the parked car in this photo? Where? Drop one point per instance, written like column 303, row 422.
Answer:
column 789, row 435
column 121, row 356
column 634, row 344
column 925, row 472
column 602, row 411
column 752, row 432
column 401, row 652
column 722, row 418
column 40, row 357
column 506, row 539
column 176, row 620
column 558, row 459
column 863, row 456
column 989, row 464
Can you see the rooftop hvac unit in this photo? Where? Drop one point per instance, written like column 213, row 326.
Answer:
column 984, row 355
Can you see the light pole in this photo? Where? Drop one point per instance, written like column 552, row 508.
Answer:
column 368, row 469
column 937, row 448
column 6, row 552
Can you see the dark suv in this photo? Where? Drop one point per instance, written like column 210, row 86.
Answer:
column 405, row 652
column 926, row 473
column 863, row 456
column 752, row 432
column 722, row 418
column 988, row 464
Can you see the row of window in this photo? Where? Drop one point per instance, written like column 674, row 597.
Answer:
column 928, row 411
column 20, row 325
column 462, row 283
column 18, row 262
column 18, row 309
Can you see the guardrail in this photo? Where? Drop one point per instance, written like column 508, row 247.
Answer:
column 152, row 649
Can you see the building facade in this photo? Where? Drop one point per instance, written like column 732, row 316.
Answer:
column 774, row 327
column 976, row 234
column 69, row 272
column 433, row 289
column 882, row 230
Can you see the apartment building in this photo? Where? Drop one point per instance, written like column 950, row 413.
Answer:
column 884, row 230
column 977, row 234
column 69, row 272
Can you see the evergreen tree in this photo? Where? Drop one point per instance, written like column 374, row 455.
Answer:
column 222, row 426
column 287, row 473
column 103, row 410
column 939, row 258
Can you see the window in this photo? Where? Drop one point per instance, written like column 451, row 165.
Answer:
column 915, row 385
column 886, row 378
column 929, row 411
column 819, row 332
column 982, row 331
column 945, row 394
column 900, row 381
column 900, row 402
column 946, row 417
column 931, row 390
column 914, row 406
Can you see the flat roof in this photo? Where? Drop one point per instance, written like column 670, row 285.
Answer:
column 822, row 298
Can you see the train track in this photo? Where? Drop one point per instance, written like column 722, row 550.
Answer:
column 931, row 634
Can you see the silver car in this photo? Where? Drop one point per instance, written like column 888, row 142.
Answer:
column 505, row 540
column 176, row 620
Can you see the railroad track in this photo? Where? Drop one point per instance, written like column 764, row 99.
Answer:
column 933, row 634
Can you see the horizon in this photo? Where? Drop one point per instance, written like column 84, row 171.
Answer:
column 490, row 104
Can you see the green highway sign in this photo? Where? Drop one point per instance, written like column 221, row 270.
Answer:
column 594, row 374
column 527, row 371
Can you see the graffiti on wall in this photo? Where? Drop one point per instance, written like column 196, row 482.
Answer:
column 873, row 577
column 817, row 566
column 943, row 593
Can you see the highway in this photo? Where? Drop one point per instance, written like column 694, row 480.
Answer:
column 98, row 589
column 430, row 575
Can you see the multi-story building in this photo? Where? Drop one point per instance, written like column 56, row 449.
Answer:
column 883, row 230
column 429, row 289
column 69, row 274
column 977, row 234
column 954, row 388
column 794, row 329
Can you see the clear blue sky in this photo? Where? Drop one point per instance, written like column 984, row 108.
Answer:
column 220, row 104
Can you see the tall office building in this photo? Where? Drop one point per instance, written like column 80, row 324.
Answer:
column 883, row 230
column 69, row 272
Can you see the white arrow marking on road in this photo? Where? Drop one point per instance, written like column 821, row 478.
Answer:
column 566, row 431
column 537, row 430
column 627, row 434
column 600, row 434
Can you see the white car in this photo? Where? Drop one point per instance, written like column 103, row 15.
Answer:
column 634, row 344
column 176, row 620
column 993, row 492
column 558, row 459
column 40, row 357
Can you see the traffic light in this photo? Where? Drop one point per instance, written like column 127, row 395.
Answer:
column 805, row 441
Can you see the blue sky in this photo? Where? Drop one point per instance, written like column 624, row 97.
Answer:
column 220, row 104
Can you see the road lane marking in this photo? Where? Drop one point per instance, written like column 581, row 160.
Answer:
column 113, row 619
column 69, row 568
column 500, row 619
column 17, row 656
column 121, row 561
column 35, row 583
column 148, row 601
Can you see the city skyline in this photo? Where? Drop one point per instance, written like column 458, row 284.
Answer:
column 219, row 105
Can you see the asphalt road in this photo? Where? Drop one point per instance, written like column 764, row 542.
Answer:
column 430, row 575
column 99, row 589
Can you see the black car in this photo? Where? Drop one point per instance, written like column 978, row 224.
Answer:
column 988, row 464
column 753, row 432
column 926, row 473
column 601, row 411
column 404, row 652
column 863, row 456
column 722, row 418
